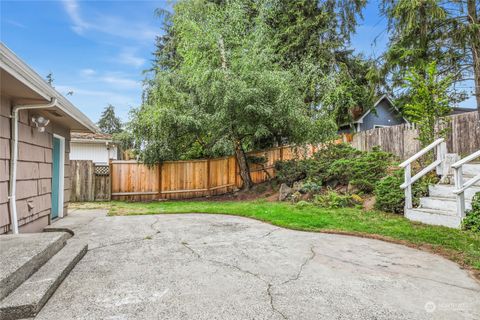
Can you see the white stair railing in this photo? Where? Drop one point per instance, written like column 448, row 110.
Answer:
column 441, row 150
column 460, row 186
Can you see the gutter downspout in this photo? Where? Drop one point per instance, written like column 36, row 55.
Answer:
column 14, row 157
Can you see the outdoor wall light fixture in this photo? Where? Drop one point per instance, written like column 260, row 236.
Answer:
column 40, row 122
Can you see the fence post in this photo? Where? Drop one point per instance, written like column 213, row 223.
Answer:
column 159, row 180
column 110, row 168
column 208, row 176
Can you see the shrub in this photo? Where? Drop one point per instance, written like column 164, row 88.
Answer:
column 311, row 187
column 389, row 196
column 333, row 200
column 335, row 152
column 292, row 170
column 472, row 219
column 339, row 163
column 363, row 171
column 325, row 168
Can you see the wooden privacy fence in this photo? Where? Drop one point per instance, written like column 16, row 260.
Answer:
column 132, row 180
column 90, row 182
column 463, row 137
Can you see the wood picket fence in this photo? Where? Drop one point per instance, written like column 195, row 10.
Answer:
column 89, row 182
column 135, row 181
column 463, row 137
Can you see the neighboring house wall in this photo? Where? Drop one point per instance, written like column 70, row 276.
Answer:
column 34, row 170
column 385, row 115
column 97, row 152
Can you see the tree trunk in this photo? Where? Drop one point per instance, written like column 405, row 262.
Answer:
column 474, row 19
column 243, row 165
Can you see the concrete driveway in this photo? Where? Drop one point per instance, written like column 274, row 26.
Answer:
column 197, row 266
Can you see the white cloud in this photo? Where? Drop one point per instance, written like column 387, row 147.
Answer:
column 111, row 80
column 111, row 25
column 16, row 23
column 87, row 72
column 119, row 81
column 73, row 11
column 78, row 91
column 128, row 56
column 91, row 101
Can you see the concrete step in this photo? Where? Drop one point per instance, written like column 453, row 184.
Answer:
column 471, row 169
column 23, row 254
column 434, row 217
column 29, row 298
column 446, row 191
column 439, row 203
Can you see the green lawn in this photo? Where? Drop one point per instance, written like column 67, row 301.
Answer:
column 460, row 246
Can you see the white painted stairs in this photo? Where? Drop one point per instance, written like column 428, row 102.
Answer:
column 440, row 207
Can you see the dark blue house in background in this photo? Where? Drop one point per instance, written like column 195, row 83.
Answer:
column 383, row 114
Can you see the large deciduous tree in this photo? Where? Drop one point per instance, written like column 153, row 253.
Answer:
column 224, row 92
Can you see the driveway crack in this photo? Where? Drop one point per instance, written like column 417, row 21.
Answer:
column 194, row 252
column 157, row 220
column 236, row 267
column 115, row 244
column 269, row 233
column 302, row 266
column 272, row 304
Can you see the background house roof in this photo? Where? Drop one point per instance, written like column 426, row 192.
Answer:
column 384, row 97
column 88, row 137
column 456, row 110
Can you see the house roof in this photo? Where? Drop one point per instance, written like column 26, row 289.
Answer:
column 25, row 86
column 384, row 97
column 87, row 137
column 456, row 110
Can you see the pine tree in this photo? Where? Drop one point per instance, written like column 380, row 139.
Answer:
column 109, row 122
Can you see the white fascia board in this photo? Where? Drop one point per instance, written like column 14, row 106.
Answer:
column 76, row 140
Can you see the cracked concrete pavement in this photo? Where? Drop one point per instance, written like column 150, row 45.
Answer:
column 198, row 266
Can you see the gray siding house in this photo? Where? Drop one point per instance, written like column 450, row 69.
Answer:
column 383, row 114
column 35, row 125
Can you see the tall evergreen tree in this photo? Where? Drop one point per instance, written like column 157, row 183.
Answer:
column 109, row 122
column 464, row 30
column 312, row 38
column 447, row 32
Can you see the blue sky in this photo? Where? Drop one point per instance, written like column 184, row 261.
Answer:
column 99, row 49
